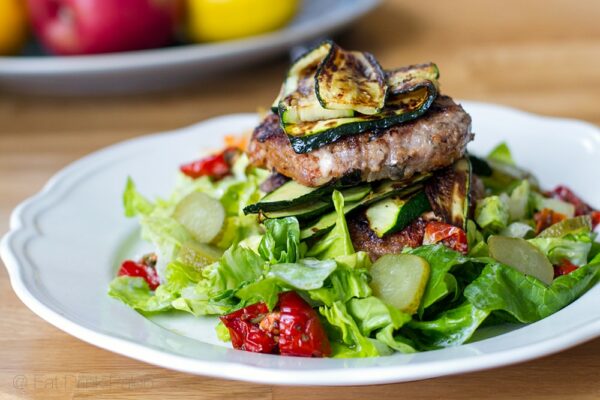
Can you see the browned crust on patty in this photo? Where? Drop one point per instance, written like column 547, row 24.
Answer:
column 365, row 239
column 433, row 141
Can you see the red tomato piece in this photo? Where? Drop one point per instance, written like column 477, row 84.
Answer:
column 564, row 268
column 294, row 330
column 546, row 218
column 300, row 330
column 595, row 219
column 216, row 166
column 565, row 194
column 138, row 269
column 245, row 331
column 449, row 235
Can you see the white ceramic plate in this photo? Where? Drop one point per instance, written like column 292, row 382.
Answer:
column 143, row 71
column 66, row 242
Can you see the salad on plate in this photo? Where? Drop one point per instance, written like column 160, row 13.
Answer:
column 354, row 223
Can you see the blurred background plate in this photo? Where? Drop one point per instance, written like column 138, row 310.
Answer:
column 151, row 70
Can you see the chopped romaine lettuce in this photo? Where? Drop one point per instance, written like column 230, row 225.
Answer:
column 343, row 329
column 574, row 249
column 502, row 288
column 502, row 153
column 519, row 202
column 337, row 241
column 281, row 242
column 492, row 213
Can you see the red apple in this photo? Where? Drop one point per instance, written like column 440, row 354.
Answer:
column 102, row 26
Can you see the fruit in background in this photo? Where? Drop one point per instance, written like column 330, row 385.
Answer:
column 213, row 20
column 13, row 26
column 103, row 26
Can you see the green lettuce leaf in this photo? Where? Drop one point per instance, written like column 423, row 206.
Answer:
column 372, row 314
column 450, row 328
column 343, row 329
column 134, row 292
column 222, row 332
column 133, row 202
column 264, row 290
column 281, row 242
column 342, row 285
column 492, row 213
column 215, row 293
column 502, row 288
column 306, row 274
column 441, row 283
column 575, row 250
column 337, row 241
column 501, row 153
column 398, row 342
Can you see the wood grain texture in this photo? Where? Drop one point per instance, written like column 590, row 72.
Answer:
column 541, row 56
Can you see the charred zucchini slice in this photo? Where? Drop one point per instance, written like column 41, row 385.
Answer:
column 289, row 194
column 351, row 80
column 302, row 212
column 310, row 135
column 448, row 192
column 325, row 222
column 380, row 191
column 292, row 194
column 315, row 208
column 395, row 213
column 298, row 101
column 402, row 79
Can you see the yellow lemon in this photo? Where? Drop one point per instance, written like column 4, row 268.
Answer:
column 213, row 20
column 13, row 26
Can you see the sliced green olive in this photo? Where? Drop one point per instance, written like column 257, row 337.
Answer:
column 567, row 226
column 202, row 215
column 400, row 280
column 522, row 256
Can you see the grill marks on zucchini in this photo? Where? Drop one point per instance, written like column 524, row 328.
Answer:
column 449, row 193
column 308, row 136
column 298, row 98
column 404, row 79
column 381, row 191
column 351, row 80
column 330, row 93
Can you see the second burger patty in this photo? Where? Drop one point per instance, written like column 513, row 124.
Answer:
column 433, row 141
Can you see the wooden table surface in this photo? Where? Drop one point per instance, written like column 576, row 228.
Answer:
column 541, row 56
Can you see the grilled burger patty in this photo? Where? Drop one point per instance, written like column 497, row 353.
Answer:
column 364, row 238
column 433, row 141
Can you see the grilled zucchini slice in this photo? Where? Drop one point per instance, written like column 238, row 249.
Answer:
column 403, row 79
column 315, row 208
column 292, row 194
column 351, row 80
column 396, row 213
column 380, row 191
column 288, row 195
column 449, row 193
column 298, row 101
column 307, row 136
